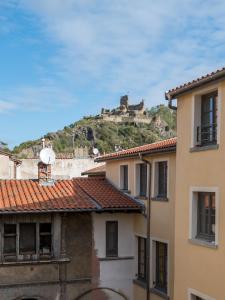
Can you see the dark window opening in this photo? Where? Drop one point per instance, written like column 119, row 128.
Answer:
column 207, row 132
column 206, row 216
column 124, row 177
column 162, row 179
column 9, row 239
column 143, row 180
column 27, row 241
column 111, row 238
column 141, row 258
column 161, row 267
column 45, row 231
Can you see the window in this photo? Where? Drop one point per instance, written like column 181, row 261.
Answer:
column 22, row 239
column 142, row 258
column 9, row 239
column 27, row 241
column 162, row 179
column 141, row 180
column 45, row 232
column 124, row 177
column 207, row 119
column 206, row 216
column 111, row 238
column 161, row 266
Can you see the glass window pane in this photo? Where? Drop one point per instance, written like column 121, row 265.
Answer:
column 111, row 238
column 27, row 238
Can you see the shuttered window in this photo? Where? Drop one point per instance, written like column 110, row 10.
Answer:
column 143, row 180
column 162, row 179
column 124, row 177
column 111, row 238
column 142, row 258
column 161, row 267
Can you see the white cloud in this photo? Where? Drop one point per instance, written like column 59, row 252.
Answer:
column 6, row 106
column 144, row 47
column 45, row 97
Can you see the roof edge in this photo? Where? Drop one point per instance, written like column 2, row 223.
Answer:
column 169, row 149
column 214, row 76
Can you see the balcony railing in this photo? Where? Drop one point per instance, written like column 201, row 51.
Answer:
column 207, row 135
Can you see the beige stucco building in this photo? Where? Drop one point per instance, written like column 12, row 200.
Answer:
column 9, row 165
column 200, row 189
column 149, row 172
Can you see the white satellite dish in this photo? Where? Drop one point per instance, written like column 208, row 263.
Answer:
column 95, row 151
column 47, row 156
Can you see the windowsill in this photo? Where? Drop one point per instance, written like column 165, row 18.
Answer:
column 140, row 282
column 125, row 191
column 116, row 258
column 159, row 293
column 204, row 148
column 142, row 197
column 203, row 243
column 35, row 262
column 160, row 199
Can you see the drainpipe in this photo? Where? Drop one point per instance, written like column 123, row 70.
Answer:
column 171, row 106
column 148, row 230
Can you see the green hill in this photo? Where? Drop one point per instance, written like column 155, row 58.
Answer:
column 92, row 132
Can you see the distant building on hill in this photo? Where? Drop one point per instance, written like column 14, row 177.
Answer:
column 126, row 113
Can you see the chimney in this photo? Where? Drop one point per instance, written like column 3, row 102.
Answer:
column 44, row 173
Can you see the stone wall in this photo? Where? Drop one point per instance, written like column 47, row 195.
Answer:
column 59, row 279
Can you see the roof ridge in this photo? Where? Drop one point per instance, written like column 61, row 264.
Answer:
column 98, row 206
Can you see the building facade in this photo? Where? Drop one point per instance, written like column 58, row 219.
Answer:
column 57, row 240
column 9, row 166
column 200, row 189
column 148, row 172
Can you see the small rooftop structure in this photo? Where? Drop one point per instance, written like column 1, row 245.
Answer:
column 97, row 171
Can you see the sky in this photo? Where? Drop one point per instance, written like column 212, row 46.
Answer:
column 61, row 60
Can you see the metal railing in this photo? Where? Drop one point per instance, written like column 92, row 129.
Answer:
column 207, row 134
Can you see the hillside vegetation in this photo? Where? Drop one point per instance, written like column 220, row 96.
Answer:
column 107, row 136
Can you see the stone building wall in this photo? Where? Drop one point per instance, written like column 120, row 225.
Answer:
column 62, row 278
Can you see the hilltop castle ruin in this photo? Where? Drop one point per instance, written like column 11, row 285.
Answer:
column 126, row 113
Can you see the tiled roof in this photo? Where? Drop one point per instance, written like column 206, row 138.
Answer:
column 173, row 93
column 100, row 170
column 166, row 145
column 83, row 194
column 105, row 194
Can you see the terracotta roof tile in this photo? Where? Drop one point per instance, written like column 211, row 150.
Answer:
column 173, row 93
column 149, row 148
column 74, row 194
column 105, row 194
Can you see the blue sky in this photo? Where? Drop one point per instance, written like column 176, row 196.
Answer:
column 63, row 59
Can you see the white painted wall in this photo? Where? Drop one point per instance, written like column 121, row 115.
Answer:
column 117, row 274
column 6, row 167
column 62, row 168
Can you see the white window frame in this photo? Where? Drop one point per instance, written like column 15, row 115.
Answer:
column 153, row 262
column 154, row 187
column 137, row 182
column 193, row 292
column 194, row 123
column 193, row 213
